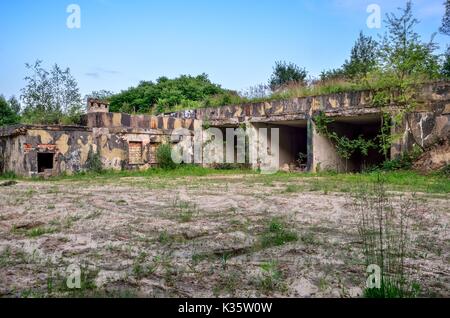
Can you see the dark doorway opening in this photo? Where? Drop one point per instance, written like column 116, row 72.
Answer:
column 293, row 143
column 45, row 161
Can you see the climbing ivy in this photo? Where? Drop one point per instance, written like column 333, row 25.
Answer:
column 345, row 146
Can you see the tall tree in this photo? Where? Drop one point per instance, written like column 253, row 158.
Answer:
column 363, row 57
column 405, row 62
column 445, row 28
column 402, row 52
column 286, row 73
column 166, row 94
column 7, row 115
column 50, row 96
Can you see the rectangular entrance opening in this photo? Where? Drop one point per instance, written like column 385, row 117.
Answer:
column 368, row 126
column 293, row 143
column 45, row 161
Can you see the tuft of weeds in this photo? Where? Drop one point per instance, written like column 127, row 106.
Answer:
column 57, row 283
column 276, row 234
column 271, row 278
column 228, row 283
column 384, row 229
column 392, row 288
column 164, row 238
column 39, row 231
column 293, row 188
column 185, row 210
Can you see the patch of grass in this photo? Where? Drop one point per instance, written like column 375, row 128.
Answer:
column 179, row 171
column 57, row 283
column 271, row 278
column 293, row 188
column 185, row 210
column 39, row 231
column 164, row 238
column 228, row 283
column 309, row 238
column 8, row 175
column 276, row 234
column 390, row 289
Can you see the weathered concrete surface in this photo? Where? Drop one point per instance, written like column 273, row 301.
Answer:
column 70, row 146
column 112, row 135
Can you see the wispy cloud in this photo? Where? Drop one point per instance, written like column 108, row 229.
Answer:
column 100, row 72
column 92, row 74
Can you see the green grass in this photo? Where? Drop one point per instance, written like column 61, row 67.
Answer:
column 390, row 289
column 180, row 171
column 345, row 182
column 272, row 278
column 39, row 231
column 323, row 181
column 276, row 234
column 8, row 175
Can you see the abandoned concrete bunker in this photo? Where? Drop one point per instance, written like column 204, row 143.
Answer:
column 124, row 141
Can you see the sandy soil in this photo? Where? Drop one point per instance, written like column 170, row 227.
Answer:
column 196, row 236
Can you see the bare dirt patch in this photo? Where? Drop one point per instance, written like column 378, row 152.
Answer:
column 196, row 237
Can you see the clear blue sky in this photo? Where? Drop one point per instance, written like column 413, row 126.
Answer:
column 236, row 42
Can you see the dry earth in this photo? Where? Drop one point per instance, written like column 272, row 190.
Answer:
column 196, row 237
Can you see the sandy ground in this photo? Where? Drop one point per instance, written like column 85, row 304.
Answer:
column 195, row 237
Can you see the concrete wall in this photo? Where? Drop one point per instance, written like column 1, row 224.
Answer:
column 70, row 147
column 111, row 133
column 324, row 154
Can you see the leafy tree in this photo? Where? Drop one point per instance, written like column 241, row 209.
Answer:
column 50, row 96
column 363, row 57
column 445, row 28
column 14, row 104
column 405, row 61
column 166, row 94
column 7, row 115
column 402, row 52
column 333, row 74
column 286, row 73
column 101, row 94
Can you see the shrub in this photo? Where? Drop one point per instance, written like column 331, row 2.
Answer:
column 93, row 162
column 404, row 162
column 164, row 157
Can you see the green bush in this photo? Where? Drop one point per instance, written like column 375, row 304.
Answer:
column 164, row 157
column 94, row 163
column 404, row 162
